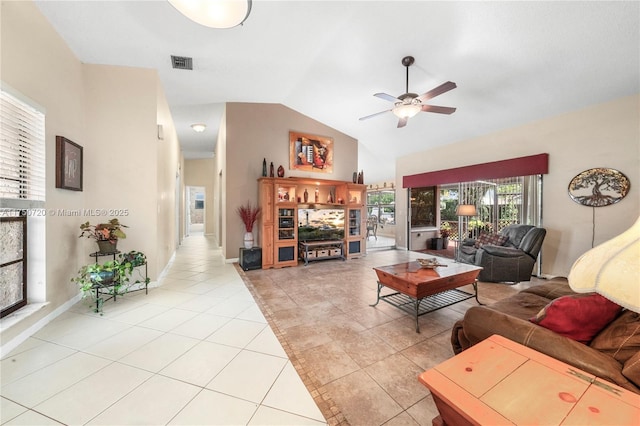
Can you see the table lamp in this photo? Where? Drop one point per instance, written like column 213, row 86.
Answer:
column 611, row 269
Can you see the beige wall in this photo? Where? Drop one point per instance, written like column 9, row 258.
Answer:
column 257, row 131
column 201, row 172
column 606, row 135
column 33, row 56
column 169, row 174
column 112, row 112
column 120, row 154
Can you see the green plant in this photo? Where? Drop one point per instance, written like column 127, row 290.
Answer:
column 445, row 230
column 114, row 276
column 109, row 231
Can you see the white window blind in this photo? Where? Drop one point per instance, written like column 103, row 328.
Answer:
column 22, row 153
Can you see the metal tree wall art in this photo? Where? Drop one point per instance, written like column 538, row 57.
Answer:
column 599, row 187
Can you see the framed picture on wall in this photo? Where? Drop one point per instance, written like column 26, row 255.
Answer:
column 310, row 153
column 68, row 164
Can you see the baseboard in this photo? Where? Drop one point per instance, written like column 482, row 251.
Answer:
column 16, row 341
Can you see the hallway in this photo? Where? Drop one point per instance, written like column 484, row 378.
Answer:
column 196, row 350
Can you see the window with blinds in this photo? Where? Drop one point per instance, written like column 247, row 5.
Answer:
column 22, row 187
column 22, row 153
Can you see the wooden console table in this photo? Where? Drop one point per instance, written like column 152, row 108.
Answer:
column 500, row 382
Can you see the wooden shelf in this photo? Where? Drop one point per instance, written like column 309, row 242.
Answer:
column 280, row 199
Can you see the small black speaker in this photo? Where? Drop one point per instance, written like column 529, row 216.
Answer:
column 250, row 258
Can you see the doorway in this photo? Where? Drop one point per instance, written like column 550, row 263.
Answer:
column 196, row 210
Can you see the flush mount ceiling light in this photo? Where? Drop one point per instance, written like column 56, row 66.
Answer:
column 199, row 127
column 214, row 13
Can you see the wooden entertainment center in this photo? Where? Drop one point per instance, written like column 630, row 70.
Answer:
column 282, row 198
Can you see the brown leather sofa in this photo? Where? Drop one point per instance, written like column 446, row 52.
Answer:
column 613, row 354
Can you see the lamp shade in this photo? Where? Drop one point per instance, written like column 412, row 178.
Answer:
column 611, row 269
column 466, row 210
column 214, row 13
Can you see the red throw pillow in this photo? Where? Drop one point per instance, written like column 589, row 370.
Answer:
column 578, row 317
column 494, row 239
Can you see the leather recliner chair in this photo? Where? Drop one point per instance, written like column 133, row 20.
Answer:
column 512, row 262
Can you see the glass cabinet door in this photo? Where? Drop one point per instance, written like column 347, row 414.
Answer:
column 286, row 224
column 355, row 220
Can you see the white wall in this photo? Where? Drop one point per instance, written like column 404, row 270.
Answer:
column 606, row 135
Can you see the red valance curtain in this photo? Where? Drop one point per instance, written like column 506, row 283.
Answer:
column 521, row 166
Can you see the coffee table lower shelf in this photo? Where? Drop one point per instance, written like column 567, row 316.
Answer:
column 419, row 307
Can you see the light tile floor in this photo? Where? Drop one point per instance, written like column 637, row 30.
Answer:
column 196, row 350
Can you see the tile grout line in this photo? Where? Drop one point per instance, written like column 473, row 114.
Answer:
column 327, row 407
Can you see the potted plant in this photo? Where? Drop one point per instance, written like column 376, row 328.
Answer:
column 249, row 215
column 105, row 234
column 110, row 278
column 445, row 231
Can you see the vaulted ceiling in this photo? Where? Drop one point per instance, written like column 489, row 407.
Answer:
column 513, row 62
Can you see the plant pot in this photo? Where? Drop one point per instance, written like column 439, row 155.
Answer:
column 103, row 277
column 248, row 240
column 107, row 246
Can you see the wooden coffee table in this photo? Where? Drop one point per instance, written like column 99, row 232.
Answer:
column 422, row 290
column 500, row 382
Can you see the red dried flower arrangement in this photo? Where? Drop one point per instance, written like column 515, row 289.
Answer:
column 249, row 215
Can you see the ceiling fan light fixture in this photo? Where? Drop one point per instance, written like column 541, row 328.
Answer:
column 220, row 14
column 198, row 127
column 406, row 110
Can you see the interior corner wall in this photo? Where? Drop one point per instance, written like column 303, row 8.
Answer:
column 261, row 131
column 201, row 172
column 112, row 112
column 604, row 135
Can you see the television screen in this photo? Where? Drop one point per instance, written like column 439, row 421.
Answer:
column 320, row 224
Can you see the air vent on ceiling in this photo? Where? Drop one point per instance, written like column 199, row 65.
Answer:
column 182, row 62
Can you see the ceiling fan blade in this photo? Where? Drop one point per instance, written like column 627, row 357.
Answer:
column 402, row 122
column 438, row 109
column 386, row 97
column 443, row 88
column 373, row 115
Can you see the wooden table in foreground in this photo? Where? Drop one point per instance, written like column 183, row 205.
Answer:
column 500, row 382
column 422, row 290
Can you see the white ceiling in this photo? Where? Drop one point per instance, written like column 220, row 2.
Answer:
column 513, row 62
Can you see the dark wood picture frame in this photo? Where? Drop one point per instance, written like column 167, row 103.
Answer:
column 68, row 164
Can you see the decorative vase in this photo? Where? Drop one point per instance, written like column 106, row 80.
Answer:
column 264, row 167
column 271, row 170
column 107, row 246
column 280, row 171
column 306, row 195
column 355, row 177
column 248, row 240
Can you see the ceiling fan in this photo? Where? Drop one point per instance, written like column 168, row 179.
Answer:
column 408, row 104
